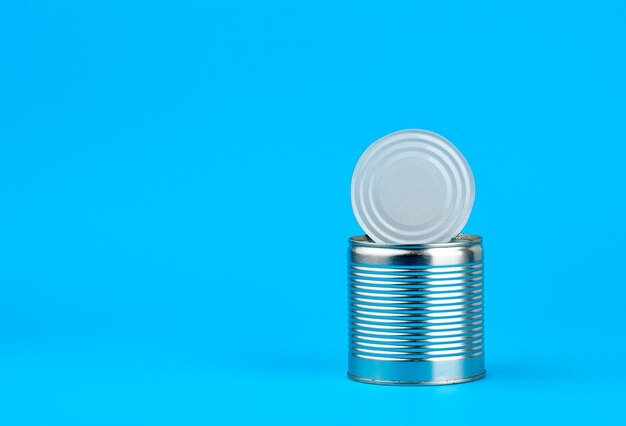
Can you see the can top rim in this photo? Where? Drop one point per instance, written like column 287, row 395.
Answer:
column 462, row 240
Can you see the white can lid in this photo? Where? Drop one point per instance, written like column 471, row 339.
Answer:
column 412, row 187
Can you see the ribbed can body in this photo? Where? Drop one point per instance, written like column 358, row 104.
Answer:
column 416, row 312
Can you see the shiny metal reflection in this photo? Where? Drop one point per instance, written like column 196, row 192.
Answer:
column 416, row 312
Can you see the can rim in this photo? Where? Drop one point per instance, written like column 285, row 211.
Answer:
column 461, row 240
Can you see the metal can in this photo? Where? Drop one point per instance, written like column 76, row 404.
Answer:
column 416, row 312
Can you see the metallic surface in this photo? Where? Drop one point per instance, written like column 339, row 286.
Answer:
column 416, row 312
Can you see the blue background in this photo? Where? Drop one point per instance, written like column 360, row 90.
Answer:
column 175, row 205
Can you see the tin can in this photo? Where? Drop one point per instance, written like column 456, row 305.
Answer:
column 416, row 312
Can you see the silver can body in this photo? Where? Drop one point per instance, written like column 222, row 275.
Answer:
column 416, row 312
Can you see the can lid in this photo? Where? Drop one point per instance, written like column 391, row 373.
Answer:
column 412, row 187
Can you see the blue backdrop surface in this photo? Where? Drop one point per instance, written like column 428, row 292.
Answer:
column 175, row 205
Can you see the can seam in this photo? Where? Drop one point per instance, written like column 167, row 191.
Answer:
column 417, row 383
column 462, row 240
